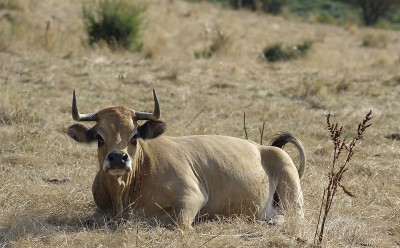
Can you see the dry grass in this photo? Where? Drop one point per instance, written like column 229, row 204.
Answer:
column 197, row 96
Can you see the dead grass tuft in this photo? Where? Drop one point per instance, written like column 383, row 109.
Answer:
column 375, row 40
column 10, row 5
column 214, row 41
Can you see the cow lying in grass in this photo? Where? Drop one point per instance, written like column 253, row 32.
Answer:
column 173, row 180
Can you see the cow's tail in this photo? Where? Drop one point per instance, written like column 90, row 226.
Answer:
column 282, row 139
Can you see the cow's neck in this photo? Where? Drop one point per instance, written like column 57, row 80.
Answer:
column 118, row 188
column 119, row 203
column 138, row 176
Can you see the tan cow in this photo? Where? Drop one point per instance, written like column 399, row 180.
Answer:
column 174, row 180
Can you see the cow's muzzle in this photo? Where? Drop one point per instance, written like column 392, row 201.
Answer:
column 117, row 163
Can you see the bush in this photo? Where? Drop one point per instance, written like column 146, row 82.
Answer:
column 324, row 11
column 372, row 10
column 280, row 52
column 273, row 6
column 117, row 22
column 269, row 6
column 237, row 4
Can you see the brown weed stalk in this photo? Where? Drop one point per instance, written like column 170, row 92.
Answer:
column 336, row 174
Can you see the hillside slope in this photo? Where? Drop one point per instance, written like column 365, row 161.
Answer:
column 40, row 68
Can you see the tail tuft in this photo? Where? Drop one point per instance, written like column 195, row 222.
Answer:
column 281, row 139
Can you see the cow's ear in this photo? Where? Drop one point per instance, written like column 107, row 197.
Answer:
column 81, row 133
column 151, row 129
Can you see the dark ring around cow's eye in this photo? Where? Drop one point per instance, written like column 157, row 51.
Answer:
column 100, row 140
column 134, row 139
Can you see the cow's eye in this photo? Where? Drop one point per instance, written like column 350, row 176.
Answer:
column 100, row 140
column 134, row 139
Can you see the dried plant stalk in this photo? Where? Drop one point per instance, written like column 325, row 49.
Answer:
column 244, row 125
column 262, row 133
column 335, row 175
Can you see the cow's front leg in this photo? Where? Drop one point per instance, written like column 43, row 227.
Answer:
column 101, row 197
column 190, row 204
column 100, row 218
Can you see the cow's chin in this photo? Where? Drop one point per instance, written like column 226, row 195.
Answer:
column 117, row 172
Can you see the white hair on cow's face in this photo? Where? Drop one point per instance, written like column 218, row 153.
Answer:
column 117, row 172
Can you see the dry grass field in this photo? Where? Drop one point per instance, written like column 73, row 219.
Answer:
column 45, row 177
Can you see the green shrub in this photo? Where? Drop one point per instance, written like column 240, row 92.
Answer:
column 221, row 2
column 273, row 6
column 324, row 11
column 117, row 22
column 269, row 6
column 372, row 11
column 280, row 52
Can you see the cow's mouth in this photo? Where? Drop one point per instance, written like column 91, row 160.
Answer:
column 117, row 171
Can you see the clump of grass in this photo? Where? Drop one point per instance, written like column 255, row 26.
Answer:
column 117, row 22
column 393, row 136
column 16, row 111
column 222, row 86
column 342, row 86
column 322, row 18
column 10, row 4
column 282, row 52
column 18, row 116
column 214, row 42
column 337, row 171
column 310, row 87
column 375, row 40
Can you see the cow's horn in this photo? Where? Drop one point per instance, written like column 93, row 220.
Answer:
column 150, row 116
column 81, row 117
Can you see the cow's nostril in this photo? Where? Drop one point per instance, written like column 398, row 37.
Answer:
column 125, row 157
